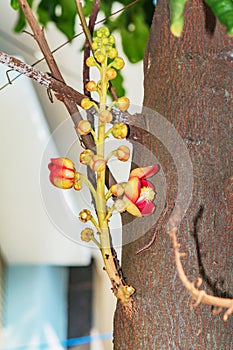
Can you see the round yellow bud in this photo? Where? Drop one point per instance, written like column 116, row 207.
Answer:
column 91, row 86
column 111, row 40
column 105, row 41
column 123, row 103
column 123, row 153
column 99, row 56
column 103, row 32
column 77, row 181
column 87, row 234
column 97, row 163
column 85, row 156
column 90, row 61
column 112, row 53
column 85, row 215
column 111, row 74
column 84, row 127
column 94, row 45
column 117, row 190
column 120, row 130
column 86, row 103
column 118, row 63
column 105, row 116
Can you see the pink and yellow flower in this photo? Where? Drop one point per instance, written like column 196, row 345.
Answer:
column 139, row 193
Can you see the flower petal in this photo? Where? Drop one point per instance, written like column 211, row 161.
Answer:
column 146, row 207
column 143, row 173
column 145, row 183
column 61, row 162
column 132, row 189
column 132, row 209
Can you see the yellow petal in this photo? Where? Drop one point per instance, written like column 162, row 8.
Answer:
column 132, row 189
column 132, row 208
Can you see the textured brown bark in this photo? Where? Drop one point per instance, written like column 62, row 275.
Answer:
column 189, row 81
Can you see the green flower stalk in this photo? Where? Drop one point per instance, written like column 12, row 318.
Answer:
column 136, row 195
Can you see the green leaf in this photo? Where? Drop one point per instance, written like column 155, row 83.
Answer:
column 46, row 11
column 134, row 38
column 223, row 10
column 15, row 4
column 87, row 7
column 61, row 12
column 66, row 21
column 177, row 16
column 117, row 83
column 21, row 22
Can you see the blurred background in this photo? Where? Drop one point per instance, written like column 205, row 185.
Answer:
column 53, row 291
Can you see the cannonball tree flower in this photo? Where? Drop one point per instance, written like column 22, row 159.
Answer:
column 139, row 193
column 62, row 172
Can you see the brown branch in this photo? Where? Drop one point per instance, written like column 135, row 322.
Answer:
column 39, row 36
column 199, row 295
column 41, row 78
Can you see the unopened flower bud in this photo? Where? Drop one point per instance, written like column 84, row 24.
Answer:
column 94, row 46
column 62, row 172
column 91, row 86
column 112, row 53
column 84, row 127
column 86, row 103
column 103, row 32
column 77, row 181
column 119, row 130
column 118, row 63
column 85, row 215
column 117, row 190
column 87, row 234
column 85, row 156
column 123, row 153
column 97, row 163
column 105, row 41
column 99, row 56
column 90, row 61
column 111, row 74
column 111, row 40
column 123, row 103
column 119, row 205
column 105, row 116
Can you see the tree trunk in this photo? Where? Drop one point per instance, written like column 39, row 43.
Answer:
column 189, row 82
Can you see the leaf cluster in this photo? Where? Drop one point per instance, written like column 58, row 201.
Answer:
column 133, row 23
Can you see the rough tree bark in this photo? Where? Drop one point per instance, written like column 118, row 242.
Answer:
column 189, row 82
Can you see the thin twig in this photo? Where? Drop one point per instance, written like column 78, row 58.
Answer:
column 39, row 36
column 199, row 295
column 42, row 78
column 74, row 37
column 83, row 22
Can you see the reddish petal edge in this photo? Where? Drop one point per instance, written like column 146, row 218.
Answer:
column 145, row 207
column 143, row 173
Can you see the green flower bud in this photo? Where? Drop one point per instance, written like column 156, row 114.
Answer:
column 112, row 53
column 118, row 63
column 90, row 61
column 95, row 45
column 100, row 57
column 111, row 40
